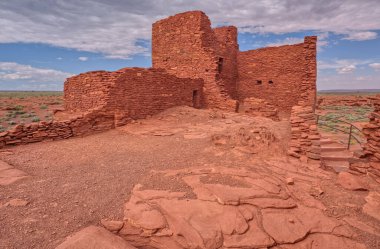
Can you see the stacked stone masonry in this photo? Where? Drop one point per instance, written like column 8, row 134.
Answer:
column 372, row 133
column 78, row 125
column 186, row 46
column 281, row 75
column 305, row 138
column 259, row 107
column 193, row 65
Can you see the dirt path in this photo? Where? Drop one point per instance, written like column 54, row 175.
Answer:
column 77, row 182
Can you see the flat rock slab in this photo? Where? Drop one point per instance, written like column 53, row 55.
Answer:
column 232, row 208
column 372, row 207
column 351, row 182
column 9, row 175
column 94, row 238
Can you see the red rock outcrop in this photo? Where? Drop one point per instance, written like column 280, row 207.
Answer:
column 94, row 237
column 233, row 208
column 258, row 107
column 305, row 136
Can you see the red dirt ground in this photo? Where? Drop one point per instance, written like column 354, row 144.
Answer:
column 28, row 109
column 75, row 183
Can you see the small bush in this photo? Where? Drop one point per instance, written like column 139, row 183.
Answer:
column 18, row 108
column 36, row 119
column 26, row 115
column 19, row 112
column 43, row 107
column 12, row 122
column 2, row 128
column 11, row 114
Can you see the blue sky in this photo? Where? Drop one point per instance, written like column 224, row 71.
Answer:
column 43, row 42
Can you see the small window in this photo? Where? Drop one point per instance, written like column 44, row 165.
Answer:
column 258, row 82
column 220, row 65
column 270, row 82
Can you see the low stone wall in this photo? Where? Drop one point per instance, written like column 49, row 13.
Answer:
column 78, row 125
column 372, row 148
column 259, row 107
column 305, row 138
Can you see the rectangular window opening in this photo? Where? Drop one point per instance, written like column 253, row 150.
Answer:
column 220, row 65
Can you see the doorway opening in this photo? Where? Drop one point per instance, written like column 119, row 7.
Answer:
column 196, row 99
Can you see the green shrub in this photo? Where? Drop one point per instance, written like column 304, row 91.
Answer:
column 26, row 115
column 18, row 108
column 43, row 107
column 36, row 119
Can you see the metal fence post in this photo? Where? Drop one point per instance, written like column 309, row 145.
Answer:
column 349, row 138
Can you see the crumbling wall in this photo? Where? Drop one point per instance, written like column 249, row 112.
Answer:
column 258, row 107
column 187, row 47
column 372, row 134
column 371, row 149
column 130, row 93
column 140, row 92
column 88, row 91
column 283, row 76
column 99, row 101
column 78, row 125
column 305, row 138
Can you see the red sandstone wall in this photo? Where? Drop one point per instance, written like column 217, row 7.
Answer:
column 88, row 91
column 227, row 48
column 258, row 107
column 291, row 68
column 185, row 45
column 79, row 125
column 140, row 92
column 130, row 93
column 305, row 138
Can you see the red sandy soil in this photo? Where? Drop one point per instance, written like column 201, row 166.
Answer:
column 75, row 183
column 17, row 110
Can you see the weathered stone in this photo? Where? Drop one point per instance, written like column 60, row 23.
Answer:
column 94, row 238
column 292, row 225
column 351, row 182
column 372, row 207
column 17, row 203
column 112, row 225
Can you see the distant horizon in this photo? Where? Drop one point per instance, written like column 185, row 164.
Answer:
column 324, row 90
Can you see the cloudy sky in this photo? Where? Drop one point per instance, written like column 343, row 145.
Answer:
column 44, row 41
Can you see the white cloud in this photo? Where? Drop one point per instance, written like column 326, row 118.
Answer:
column 83, row 58
column 115, row 27
column 286, row 41
column 59, row 58
column 339, row 64
column 375, row 66
column 361, row 36
column 11, row 71
column 322, row 41
column 346, row 81
column 346, row 69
